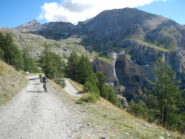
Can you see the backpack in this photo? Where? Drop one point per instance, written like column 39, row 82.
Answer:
column 41, row 79
column 44, row 80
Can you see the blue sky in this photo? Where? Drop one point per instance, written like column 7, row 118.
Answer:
column 173, row 9
column 16, row 12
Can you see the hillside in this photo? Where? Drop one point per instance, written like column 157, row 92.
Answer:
column 132, row 39
column 116, row 27
column 105, row 120
column 36, row 43
column 117, row 75
column 11, row 82
column 58, row 114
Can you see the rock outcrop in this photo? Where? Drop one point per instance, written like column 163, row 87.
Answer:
column 108, row 69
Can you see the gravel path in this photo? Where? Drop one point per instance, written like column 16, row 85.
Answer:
column 33, row 114
column 70, row 89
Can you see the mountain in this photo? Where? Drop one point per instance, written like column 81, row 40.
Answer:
column 120, row 27
column 36, row 43
column 117, row 27
column 138, row 39
column 51, row 30
column 132, row 40
column 30, row 26
column 55, row 30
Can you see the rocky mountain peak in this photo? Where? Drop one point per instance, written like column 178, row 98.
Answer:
column 30, row 26
column 30, row 23
column 125, row 20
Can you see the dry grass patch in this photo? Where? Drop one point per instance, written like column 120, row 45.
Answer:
column 105, row 119
column 11, row 82
column 77, row 86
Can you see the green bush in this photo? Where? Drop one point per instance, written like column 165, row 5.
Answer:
column 78, row 68
column 1, row 53
column 13, row 56
column 89, row 97
column 60, row 81
column 28, row 63
column 139, row 109
column 91, row 87
column 111, row 95
column 52, row 64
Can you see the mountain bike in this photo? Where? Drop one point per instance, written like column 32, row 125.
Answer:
column 45, row 87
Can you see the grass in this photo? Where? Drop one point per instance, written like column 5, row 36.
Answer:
column 119, row 124
column 146, row 44
column 88, row 98
column 77, row 86
column 128, row 56
column 105, row 59
column 11, row 82
column 109, row 121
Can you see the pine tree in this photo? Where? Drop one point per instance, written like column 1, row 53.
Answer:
column 52, row 64
column 9, row 52
column 84, row 69
column 28, row 63
column 167, row 93
column 91, row 85
column 72, row 68
column 1, row 45
column 101, row 84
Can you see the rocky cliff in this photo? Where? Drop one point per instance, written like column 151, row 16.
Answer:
column 143, row 38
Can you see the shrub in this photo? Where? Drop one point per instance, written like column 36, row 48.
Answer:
column 60, row 81
column 78, row 68
column 139, row 109
column 13, row 56
column 89, row 97
column 52, row 64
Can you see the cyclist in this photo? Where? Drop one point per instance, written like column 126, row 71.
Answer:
column 44, row 81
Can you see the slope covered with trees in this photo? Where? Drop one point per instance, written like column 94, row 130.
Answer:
column 164, row 101
column 15, row 57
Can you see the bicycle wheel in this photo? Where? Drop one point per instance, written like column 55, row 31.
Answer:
column 45, row 87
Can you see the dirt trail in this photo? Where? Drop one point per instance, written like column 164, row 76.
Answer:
column 70, row 89
column 33, row 114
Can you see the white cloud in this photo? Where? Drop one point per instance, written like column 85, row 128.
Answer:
column 80, row 10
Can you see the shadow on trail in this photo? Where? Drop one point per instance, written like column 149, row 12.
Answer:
column 33, row 78
column 35, row 91
column 80, row 92
column 36, row 83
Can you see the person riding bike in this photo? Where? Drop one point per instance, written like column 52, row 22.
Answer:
column 40, row 77
column 44, row 81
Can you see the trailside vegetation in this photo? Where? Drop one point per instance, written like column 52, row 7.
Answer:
column 15, row 57
column 164, row 103
column 52, row 65
column 79, row 69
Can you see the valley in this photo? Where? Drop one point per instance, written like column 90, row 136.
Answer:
column 107, row 74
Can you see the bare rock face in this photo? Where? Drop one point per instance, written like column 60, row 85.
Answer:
column 106, row 68
column 30, row 26
column 129, row 74
column 51, row 30
column 55, row 30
